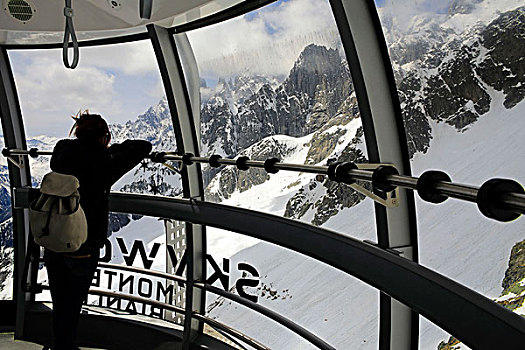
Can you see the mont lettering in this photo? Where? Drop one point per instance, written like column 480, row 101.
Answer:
column 157, row 288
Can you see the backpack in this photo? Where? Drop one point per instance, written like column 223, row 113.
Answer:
column 56, row 218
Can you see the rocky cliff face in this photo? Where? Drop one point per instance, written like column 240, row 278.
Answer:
column 5, row 204
column 230, row 179
column 322, row 198
column 315, row 89
column 315, row 99
column 456, row 85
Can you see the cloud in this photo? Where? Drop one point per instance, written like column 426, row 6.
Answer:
column 403, row 11
column 122, row 81
column 139, row 58
column 49, row 92
column 118, row 81
column 265, row 42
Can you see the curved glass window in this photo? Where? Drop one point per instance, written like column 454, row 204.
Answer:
column 275, row 83
column 120, row 82
column 459, row 74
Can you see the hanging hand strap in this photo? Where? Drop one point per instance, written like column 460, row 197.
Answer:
column 68, row 12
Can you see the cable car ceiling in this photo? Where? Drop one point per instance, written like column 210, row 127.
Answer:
column 102, row 15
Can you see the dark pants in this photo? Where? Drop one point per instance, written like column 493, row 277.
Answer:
column 69, row 281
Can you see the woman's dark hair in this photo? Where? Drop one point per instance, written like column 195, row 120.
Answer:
column 91, row 127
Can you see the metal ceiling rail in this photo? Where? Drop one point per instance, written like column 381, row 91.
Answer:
column 214, row 18
column 498, row 199
column 433, row 186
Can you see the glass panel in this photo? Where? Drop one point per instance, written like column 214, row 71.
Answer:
column 6, row 232
column 329, row 303
column 120, row 82
column 275, row 83
column 459, row 72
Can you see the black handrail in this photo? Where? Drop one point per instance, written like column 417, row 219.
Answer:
column 167, row 276
column 321, row 344
column 232, row 331
column 312, row 338
column 498, row 199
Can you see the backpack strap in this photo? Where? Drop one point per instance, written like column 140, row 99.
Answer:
column 45, row 230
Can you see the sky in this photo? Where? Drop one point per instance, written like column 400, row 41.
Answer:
column 118, row 81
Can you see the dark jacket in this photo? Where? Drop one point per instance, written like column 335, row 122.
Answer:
column 97, row 169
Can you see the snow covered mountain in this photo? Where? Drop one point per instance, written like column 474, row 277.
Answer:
column 453, row 84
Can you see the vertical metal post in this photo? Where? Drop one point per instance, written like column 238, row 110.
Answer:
column 14, row 137
column 186, row 125
column 373, row 79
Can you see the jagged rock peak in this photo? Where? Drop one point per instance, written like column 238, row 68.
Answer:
column 316, row 57
column 160, row 110
column 313, row 64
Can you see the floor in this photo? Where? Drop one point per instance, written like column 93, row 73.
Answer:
column 8, row 343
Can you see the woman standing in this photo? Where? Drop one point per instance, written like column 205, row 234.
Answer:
column 97, row 167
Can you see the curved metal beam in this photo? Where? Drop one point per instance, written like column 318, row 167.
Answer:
column 372, row 75
column 14, row 136
column 185, row 125
column 474, row 319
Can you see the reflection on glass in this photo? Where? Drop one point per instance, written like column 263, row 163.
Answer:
column 150, row 245
column 459, row 73
column 329, row 303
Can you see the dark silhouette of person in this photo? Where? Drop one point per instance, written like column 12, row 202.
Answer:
column 97, row 167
